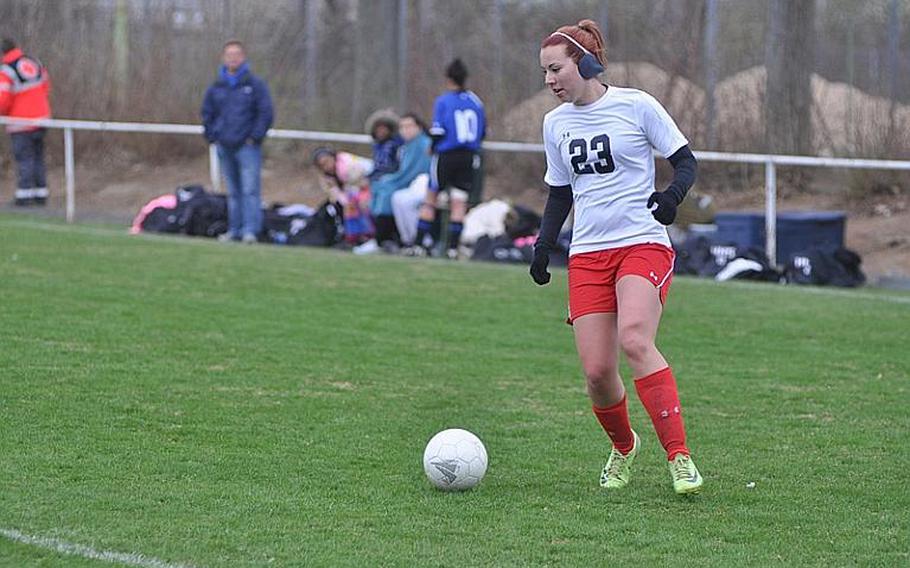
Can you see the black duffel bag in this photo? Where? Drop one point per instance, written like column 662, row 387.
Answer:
column 825, row 266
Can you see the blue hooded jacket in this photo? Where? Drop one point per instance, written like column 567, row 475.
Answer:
column 415, row 160
column 385, row 156
column 237, row 108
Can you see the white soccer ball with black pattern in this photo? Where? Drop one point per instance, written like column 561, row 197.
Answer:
column 455, row 460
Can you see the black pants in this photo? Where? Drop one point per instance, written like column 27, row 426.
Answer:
column 386, row 230
column 28, row 149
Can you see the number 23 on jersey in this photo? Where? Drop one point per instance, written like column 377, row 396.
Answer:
column 600, row 147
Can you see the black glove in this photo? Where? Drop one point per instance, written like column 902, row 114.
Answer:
column 539, row 264
column 666, row 201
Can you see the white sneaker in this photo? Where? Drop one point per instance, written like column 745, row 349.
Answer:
column 225, row 238
column 369, row 247
column 249, row 239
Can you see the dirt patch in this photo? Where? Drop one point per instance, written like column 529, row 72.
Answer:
column 845, row 120
column 682, row 98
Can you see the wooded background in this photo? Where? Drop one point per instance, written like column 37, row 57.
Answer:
column 330, row 63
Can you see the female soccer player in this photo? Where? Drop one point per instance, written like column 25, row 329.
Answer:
column 599, row 155
column 459, row 126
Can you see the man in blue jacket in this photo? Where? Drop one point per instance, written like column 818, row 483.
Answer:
column 236, row 114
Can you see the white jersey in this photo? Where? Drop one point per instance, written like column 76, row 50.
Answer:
column 604, row 151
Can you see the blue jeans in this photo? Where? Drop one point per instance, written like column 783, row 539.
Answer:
column 28, row 149
column 240, row 167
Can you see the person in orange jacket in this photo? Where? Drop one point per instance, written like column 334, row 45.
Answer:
column 25, row 93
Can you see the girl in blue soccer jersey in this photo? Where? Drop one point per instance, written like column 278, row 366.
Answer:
column 599, row 147
column 459, row 126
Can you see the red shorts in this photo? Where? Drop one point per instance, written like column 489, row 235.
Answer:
column 593, row 275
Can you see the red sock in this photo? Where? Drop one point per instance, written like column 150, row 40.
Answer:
column 658, row 395
column 615, row 421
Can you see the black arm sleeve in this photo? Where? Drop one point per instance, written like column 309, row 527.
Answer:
column 557, row 209
column 685, row 169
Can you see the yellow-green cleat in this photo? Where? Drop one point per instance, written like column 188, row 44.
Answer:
column 686, row 479
column 618, row 471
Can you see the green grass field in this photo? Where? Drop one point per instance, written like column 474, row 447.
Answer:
column 217, row 405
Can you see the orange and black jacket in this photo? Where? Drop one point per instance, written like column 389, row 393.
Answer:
column 25, row 89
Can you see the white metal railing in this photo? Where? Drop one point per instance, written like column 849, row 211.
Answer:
column 771, row 161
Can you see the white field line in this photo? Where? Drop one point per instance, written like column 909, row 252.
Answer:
column 765, row 287
column 63, row 547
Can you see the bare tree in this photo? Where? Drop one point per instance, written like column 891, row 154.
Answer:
column 894, row 32
column 789, row 60
column 311, row 56
column 403, row 32
column 711, row 55
column 121, row 52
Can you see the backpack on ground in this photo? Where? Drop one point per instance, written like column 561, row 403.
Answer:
column 325, row 228
column 825, row 266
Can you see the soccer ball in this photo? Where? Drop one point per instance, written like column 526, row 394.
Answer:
column 455, row 460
